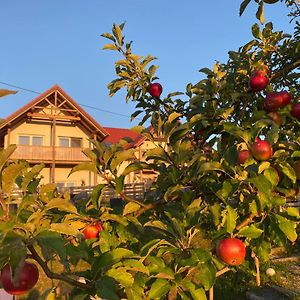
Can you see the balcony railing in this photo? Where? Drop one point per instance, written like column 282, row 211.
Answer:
column 47, row 153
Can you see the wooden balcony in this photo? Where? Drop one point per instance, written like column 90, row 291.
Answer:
column 45, row 154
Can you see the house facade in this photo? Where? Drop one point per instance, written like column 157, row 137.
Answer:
column 53, row 129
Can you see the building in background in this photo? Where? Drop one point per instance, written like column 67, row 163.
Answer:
column 53, row 129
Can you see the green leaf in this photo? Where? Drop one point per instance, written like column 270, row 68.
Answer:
column 130, row 208
column 206, row 71
column 243, row 6
column 61, row 204
column 119, row 184
column 110, row 47
column 121, row 276
column 28, row 177
column 262, row 184
column 293, row 212
column 210, row 166
column 250, row 232
column 159, row 288
column 10, row 173
column 216, row 213
column 108, row 36
column 53, row 241
column 135, row 265
column 157, row 224
column 136, row 166
column 107, row 288
column 256, row 31
column 117, row 32
column 5, row 154
column 113, row 256
column 156, row 153
column 178, row 133
column 86, row 166
column 207, row 275
column 288, row 170
column 96, row 194
column 197, row 293
column 64, row 228
column 225, row 191
column 238, row 132
column 121, row 157
column 231, row 218
column 173, row 116
column 260, row 12
column 288, row 227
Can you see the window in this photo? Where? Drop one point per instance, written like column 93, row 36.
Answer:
column 24, row 140
column 63, row 142
column 37, row 140
column 75, row 143
column 33, row 140
column 70, row 142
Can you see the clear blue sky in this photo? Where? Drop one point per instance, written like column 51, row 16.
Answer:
column 44, row 42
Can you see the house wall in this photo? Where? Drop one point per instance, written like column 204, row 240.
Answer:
column 42, row 129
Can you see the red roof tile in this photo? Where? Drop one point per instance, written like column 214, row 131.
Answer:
column 116, row 134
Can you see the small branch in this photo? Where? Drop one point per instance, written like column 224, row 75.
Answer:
column 223, row 271
column 34, row 255
column 246, row 222
column 211, row 293
column 256, row 261
column 288, row 68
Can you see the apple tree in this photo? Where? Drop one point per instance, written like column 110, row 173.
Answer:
column 226, row 168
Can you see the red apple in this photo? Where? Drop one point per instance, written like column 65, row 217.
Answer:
column 92, row 231
column 297, row 169
column 286, row 97
column 231, row 251
column 155, row 89
column 26, row 279
column 261, row 150
column 258, row 81
column 276, row 100
column 243, row 155
column 295, row 111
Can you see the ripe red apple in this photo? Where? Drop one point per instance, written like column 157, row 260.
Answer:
column 155, row 89
column 295, row 111
column 297, row 169
column 27, row 277
column 258, row 81
column 232, row 251
column 276, row 117
column 91, row 231
column 276, row 100
column 243, row 155
column 261, row 150
column 286, row 97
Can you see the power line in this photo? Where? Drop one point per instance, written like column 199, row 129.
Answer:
column 84, row 105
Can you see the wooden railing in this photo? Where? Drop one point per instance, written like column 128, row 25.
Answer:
column 133, row 190
column 46, row 153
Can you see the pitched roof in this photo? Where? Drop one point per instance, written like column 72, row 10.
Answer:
column 116, row 134
column 88, row 119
